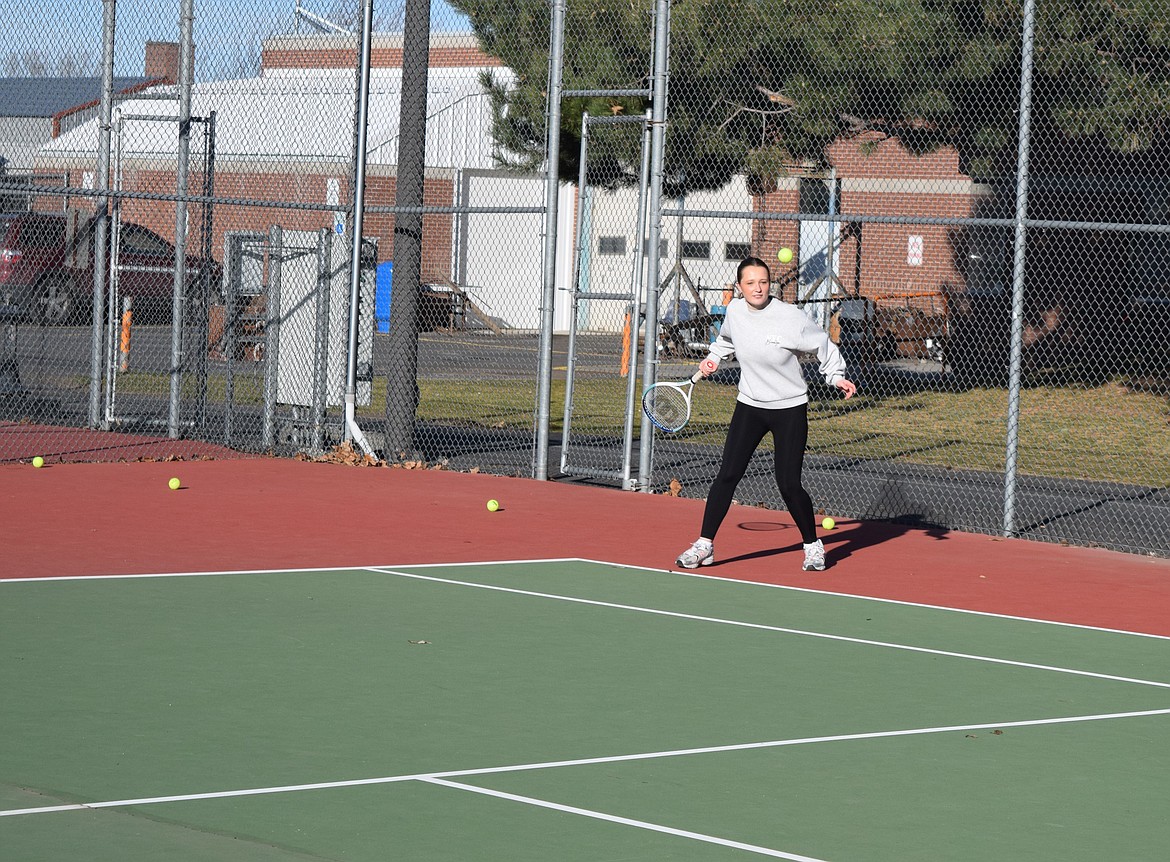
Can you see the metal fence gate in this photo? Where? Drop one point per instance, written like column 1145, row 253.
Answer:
column 156, row 371
column 279, row 345
column 607, row 298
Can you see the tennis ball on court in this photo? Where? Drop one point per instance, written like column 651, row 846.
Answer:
column 174, row 484
column 784, row 255
column 828, row 523
column 38, row 461
column 493, row 505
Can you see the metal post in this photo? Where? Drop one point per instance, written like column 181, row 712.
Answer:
column 551, row 193
column 830, row 253
column 113, row 255
column 635, row 316
column 182, row 170
column 1017, row 348
column 321, row 337
column 351, row 429
column 233, row 266
column 584, row 202
column 203, row 306
column 102, row 216
column 660, row 74
column 272, row 334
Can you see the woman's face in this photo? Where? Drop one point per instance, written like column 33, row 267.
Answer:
column 753, row 284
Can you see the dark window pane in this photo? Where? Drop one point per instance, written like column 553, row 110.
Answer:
column 737, row 251
column 611, row 245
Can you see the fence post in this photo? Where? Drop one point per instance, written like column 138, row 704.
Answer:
column 102, row 217
column 660, row 75
column 324, row 286
column 182, row 170
column 1021, row 236
column 551, row 192
column 350, row 429
column 272, row 335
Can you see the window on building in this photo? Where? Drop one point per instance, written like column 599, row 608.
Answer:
column 696, row 249
column 611, row 245
column 815, row 197
column 737, row 251
column 663, row 246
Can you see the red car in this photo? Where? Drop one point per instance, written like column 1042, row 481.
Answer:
column 47, row 269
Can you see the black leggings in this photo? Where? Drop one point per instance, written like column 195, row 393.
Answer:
column 748, row 426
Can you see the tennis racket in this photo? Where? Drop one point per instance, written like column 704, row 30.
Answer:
column 668, row 405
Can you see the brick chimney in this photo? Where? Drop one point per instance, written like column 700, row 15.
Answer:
column 162, row 61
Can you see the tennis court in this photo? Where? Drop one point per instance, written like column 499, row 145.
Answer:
column 564, row 709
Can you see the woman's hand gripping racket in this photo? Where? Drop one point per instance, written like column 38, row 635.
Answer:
column 668, row 404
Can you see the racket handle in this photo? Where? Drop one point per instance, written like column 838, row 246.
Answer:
column 696, row 377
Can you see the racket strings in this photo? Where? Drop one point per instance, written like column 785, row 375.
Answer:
column 667, row 406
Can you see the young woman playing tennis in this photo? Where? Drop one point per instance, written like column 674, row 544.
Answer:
column 766, row 334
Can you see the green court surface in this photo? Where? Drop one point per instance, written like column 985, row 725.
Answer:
column 566, row 710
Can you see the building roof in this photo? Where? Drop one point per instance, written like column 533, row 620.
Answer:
column 47, row 97
column 306, row 116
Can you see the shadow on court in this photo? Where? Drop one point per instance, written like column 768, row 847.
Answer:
column 847, row 538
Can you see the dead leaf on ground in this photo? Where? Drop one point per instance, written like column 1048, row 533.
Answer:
column 343, row 453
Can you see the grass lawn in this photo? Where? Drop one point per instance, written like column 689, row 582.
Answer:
column 1108, row 432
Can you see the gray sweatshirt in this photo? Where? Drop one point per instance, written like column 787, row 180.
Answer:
column 766, row 342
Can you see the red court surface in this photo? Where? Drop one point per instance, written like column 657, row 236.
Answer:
column 22, row 441
column 265, row 513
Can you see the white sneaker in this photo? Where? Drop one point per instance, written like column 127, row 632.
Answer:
column 701, row 553
column 814, row 557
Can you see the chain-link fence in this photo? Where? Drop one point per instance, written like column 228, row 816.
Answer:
column 974, row 196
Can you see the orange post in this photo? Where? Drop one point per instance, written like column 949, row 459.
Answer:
column 626, row 346
column 124, row 341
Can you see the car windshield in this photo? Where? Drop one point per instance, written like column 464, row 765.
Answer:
column 44, row 233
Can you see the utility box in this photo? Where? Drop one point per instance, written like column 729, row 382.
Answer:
column 313, row 311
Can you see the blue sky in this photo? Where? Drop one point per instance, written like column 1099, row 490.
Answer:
column 227, row 32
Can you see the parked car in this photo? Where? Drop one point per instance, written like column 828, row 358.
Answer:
column 46, row 266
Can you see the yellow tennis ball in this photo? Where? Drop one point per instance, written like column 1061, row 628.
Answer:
column 174, row 484
column 38, row 461
column 828, row 523
column 784, row 255
column 493, row 505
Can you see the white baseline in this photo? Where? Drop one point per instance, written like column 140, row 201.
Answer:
column 586, row 761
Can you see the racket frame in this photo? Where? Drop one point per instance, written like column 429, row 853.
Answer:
column 685, row 387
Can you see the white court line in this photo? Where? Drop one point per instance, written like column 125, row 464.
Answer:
column 834, row 593
column 148, row 575
column 626, row 821
column 303, row 569
column 879, row 599
column 688, row 574
column 589, row 761
column 780, row 629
